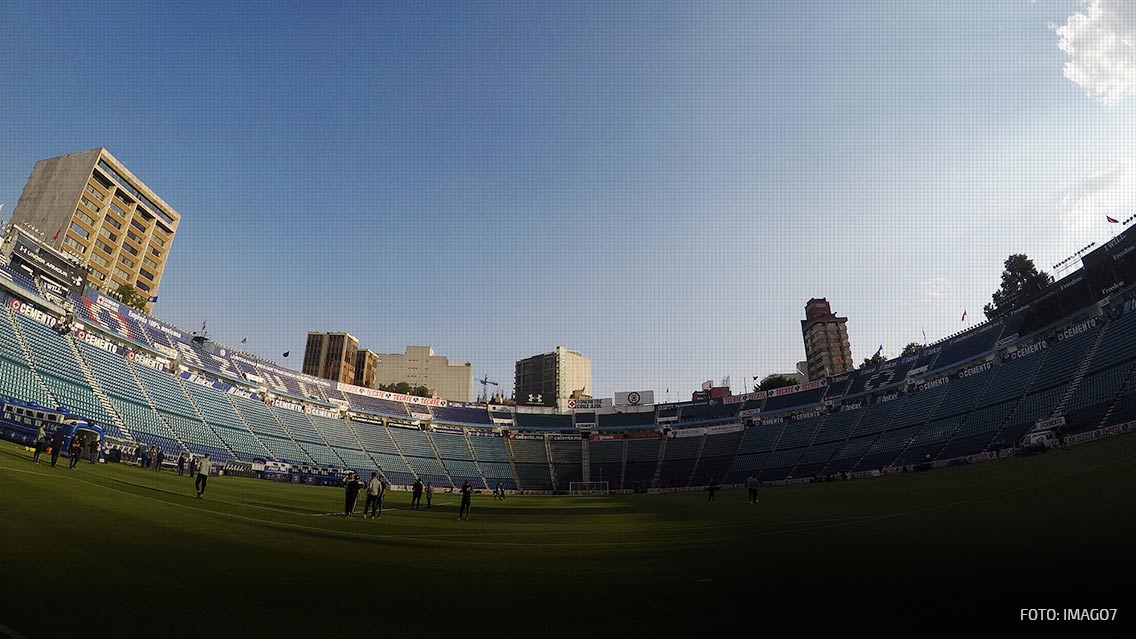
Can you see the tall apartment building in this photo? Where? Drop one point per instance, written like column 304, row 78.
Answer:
column 90, row 205
column 542, row 380
column 421, row 366
column 826, row 340
column 365, row 363
column 331, row 356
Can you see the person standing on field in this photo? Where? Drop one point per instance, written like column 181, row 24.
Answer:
column 40, row 443
column 351, row 494
column 374, row 497
column 75, row 452
column 429, row 494
column 752, row 484
column 181, row 464
column 712, row 488
column 56, row 445
column 467, row 498
column 416, row 495
column 203, row 468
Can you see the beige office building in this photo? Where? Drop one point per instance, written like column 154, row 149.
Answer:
column 90, row 205
column 420, row 366
column 826, row 340
column 543, row 380
column 331, row 356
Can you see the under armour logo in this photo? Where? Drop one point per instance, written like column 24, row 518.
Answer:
column 536, row 399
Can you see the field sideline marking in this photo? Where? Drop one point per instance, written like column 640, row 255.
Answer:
column 437, row 539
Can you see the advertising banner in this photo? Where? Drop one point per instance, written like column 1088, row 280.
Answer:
column 635, row 398
column 389, row 396
column 588, row 404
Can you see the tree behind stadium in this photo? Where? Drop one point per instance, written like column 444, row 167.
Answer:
column 1020, row 279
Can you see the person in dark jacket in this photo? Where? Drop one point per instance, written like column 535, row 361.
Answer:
column 351, row 488
column 159, row 457
column 93, row 448
column 181, row 464
column 467, row 499
column 416, row 495
column 75, row 452
column 712, row 488
column 56, row 445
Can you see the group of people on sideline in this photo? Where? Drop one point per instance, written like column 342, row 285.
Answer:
column 377, row 488
column 88, row 442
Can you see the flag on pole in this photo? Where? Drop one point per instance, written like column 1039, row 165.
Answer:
column 244, row 339
column 56, row 236
column 963, row 316
column 880, row 349
column 1111, row 220
column 154, row 298
column 924, row 335
column 202, row 327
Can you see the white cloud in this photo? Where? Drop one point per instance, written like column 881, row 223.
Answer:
column 1109, row 192
column 1101, row 45
column 934, row 288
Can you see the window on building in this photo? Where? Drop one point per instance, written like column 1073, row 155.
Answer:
column 113, row 222
column 155, row 252
column 96, row 193
column 158, row 240
column 80, row 231
column 105, row 232
column 138, row 225
column 149, row 262
column 83, row 216
column 117, row 209
column 146, row 274
column 126, row 260
column 70, row 241
column 100, row 260
column 103, row 246
column 130, row 249
column 142, row 285
column 121, row 273
column 89, row 204
column 134, row 236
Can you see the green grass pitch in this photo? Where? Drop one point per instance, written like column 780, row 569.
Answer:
column 119, row 548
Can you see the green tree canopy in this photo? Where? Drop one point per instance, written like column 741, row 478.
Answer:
column 775, row 381
column 911, row 349
column 878, row 358
column 406, row 389
column 1020, row 278
column 130, row 296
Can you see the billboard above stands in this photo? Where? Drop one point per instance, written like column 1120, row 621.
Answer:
column 635, row 398
column 737, row 399
column 389, row 396
column 589, row 404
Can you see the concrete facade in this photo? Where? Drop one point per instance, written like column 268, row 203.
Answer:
column 420, row 365
column 827, row 351
column 90, row 205
column 543, row 380
column 331, row 356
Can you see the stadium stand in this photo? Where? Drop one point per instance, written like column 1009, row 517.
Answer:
column 567, row 461
column 456, row 456
column 493, row 459
column 975, row 392
column 531, row 461
column 418, row 452
column 605, row 458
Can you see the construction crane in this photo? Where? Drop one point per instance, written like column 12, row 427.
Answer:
column 484, row 381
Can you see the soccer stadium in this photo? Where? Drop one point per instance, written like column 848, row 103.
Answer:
column 835, row 455
column 658, row 185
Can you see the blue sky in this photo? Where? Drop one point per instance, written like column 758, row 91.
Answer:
column 661, row 186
